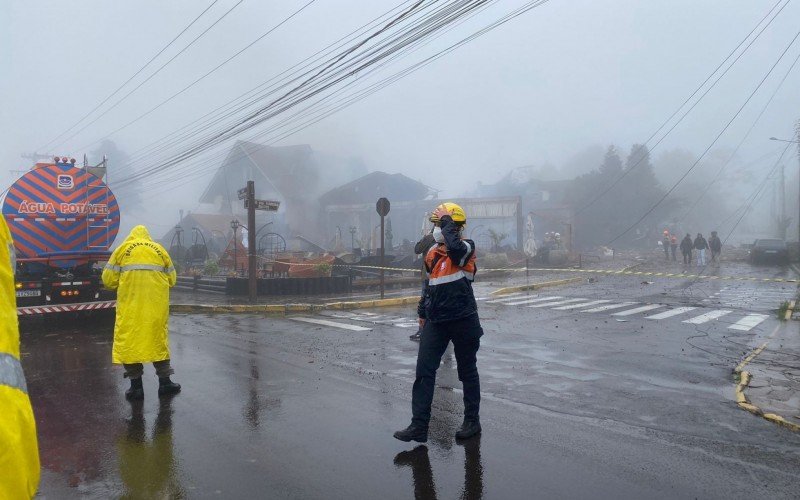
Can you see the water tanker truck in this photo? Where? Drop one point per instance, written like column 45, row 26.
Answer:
column 63, row 219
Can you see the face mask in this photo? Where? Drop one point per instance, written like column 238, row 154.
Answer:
column 437, row 235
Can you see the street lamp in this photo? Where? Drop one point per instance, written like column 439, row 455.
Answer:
column 235, row 226
column 353, row 230
column 798, row 192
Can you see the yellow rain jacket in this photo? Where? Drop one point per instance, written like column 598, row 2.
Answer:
column 19, row 451
column 142, row 273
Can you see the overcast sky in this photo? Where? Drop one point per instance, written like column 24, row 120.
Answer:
column 564, row 76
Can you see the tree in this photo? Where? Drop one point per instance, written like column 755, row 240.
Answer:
column 612, row 198
column 612, row 164
column 497, row 238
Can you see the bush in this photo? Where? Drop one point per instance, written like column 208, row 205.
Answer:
column 211, row 268
column 323, row 269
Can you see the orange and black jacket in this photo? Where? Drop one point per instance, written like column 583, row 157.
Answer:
column 450, row 268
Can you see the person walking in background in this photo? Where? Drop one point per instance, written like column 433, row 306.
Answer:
column 686, row 249
column 673, row 246
column 142, row 273
column 716, row 246
column 701, row 245
column 665, row 244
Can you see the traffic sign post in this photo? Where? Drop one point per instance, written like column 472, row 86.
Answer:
column 252, row 277
column 382, row 207
column 248, row 194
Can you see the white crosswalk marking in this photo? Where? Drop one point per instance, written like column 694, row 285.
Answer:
column 334, row 324
column 558, row 303
column 532, row 301
column 671, row 313
column 704, row 318
column 609, row 307
column 749, row 322
column 377, row 319
column 515, row 294
column 577, row 306
column 638, row 310
column 503, row 299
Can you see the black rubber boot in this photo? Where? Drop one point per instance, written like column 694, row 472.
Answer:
column 136, row 391
column 417, row 335
column 468, row 429
column 412, row 433
column 167, row 387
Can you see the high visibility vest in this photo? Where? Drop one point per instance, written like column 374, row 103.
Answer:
column 442, row 270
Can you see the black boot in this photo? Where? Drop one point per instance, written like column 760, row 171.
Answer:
column 412, row 433
column 167, row 387
column 469, row 428
column 417, row 335
column 136, row 391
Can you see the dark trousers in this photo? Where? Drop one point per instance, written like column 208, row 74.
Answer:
column 135, row 370
column 673, row 248
column 465, row 334
column 687, row 257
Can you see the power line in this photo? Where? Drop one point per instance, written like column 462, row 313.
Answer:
column 247, row 95
column 746, row 135
column 756, row 193
column 699, row 87
column 118, row 102
column 325, row 77
column 417, row 66
column 727, row 125
column 204, row 76
column 132, row 76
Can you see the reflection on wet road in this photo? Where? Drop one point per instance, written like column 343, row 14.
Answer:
column 422, row 472
column 147, row 463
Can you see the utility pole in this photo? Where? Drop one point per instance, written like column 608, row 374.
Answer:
column 797, row 142
column 782, row 204
column 252, row 283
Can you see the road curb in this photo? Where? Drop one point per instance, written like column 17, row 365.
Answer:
column 283, row 309
column 741, row 398
column 566, row 281
column 534, row 286
column 790, row 310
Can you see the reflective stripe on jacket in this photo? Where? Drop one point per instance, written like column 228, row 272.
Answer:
column 450, row 268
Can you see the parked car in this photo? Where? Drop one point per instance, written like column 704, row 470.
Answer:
column 769, row 251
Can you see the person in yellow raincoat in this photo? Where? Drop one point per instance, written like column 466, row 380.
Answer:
column 142, row 273
column 19, row 450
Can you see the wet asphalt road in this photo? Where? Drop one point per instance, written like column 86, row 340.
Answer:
column 575, row 404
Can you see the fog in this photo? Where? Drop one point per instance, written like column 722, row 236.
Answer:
column 548, row 91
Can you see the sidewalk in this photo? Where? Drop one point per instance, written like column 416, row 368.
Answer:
column 774, row 386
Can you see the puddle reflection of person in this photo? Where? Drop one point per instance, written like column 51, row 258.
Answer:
column 149, row 469
column 422, row 472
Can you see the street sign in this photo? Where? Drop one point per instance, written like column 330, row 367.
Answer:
column 382, row 207
column 242, row 193
column 268, row 205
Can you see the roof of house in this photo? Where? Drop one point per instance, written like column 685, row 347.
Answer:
column 370, row 187
column 291, row 170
